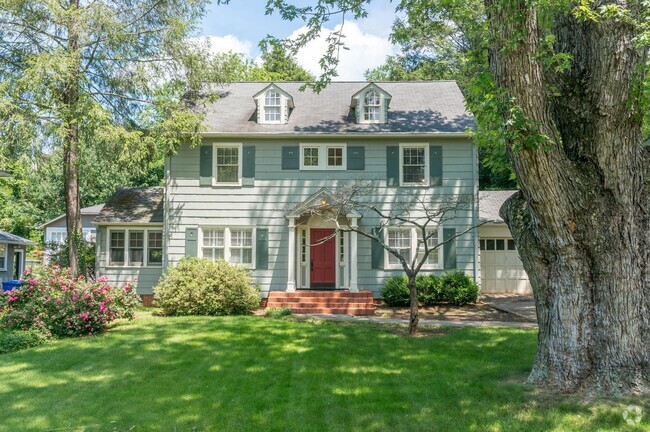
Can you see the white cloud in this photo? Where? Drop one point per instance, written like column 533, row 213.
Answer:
column 222, row 44
column 365, row 51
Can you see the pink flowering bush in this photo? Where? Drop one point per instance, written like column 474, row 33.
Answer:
column 53, row 302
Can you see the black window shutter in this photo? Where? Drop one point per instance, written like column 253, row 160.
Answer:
column 262, row 249
column 449, row 248
column 435, row 165
column 392, row 166
column 291, row 157
column 376, row 251
column 356, row 158
column 205, row 165
column 248, row 165
column 191, row 244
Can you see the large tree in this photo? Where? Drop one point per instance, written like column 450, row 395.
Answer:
column 113, row 74
column 564, row 92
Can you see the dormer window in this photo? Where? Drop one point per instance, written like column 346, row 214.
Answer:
column 372, row 106
column 272, row 107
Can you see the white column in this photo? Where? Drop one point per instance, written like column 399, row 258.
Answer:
column 353, row 257
column 291, row 282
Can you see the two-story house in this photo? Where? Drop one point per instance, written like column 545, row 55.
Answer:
column 270, row 151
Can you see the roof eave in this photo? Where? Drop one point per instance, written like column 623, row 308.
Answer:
column 283, row 134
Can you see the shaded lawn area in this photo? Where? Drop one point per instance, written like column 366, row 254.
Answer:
column 252, row 373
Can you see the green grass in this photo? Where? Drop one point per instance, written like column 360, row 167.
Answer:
column 253, row 373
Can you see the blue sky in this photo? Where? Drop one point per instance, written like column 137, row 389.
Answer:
column 240, row 25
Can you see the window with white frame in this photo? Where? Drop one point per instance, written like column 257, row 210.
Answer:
column 414, row 165
column 3, row 256
column 136, row 248
column 228, row 166
column 233, row 244
column 323, row 157
column 60, row 235
column 272, row 107
column 372, row 106
column 139, row 247
column 408, row 242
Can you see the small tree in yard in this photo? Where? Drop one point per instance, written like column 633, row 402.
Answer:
column 424, row 211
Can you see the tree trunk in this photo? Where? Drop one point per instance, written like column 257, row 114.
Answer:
column 414, row 312
column 70, row 98
column 581, row 219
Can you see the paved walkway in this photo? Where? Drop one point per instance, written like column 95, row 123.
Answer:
column 442, row 323
column 521, row 305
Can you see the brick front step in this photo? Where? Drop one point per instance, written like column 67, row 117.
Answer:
column 323, row 302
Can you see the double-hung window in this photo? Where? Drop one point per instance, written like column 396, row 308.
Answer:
column 372, row 106
column 272, row 107
column 117, row 242
column 228, row 164
column 3, row 256
column 408, row 242
column 135, row 247
column 323, row 157
column 233, row 244
column 414, row 165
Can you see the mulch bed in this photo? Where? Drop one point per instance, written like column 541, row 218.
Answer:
column 471, row 312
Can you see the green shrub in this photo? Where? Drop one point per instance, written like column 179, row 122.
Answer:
column 430, row 291
column 14, row 340
column 396, row 291
column 198, row 286
column 458, row 288
column 277, row 312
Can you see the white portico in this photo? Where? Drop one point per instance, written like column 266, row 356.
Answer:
column 322, row 246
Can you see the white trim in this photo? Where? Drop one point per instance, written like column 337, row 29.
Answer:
column 403, row 146
column 291, row 270
column 49, row 231
column 145, row 251
column 227, row 241
column 240, row 164
column 353, row 257
column 370, row 134
column 414, row 247
column 323, row 157
column 6, row 246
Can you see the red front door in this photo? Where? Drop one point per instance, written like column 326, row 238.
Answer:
column 323, row 259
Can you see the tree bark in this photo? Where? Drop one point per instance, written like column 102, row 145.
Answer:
column 414, row 309
column 581, row 221
column 71, row 138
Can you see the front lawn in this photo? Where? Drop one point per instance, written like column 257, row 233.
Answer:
column 252, row 373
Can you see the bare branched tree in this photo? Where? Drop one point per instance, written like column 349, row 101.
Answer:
column 421, row 209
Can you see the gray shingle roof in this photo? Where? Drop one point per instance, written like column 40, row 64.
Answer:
column 489, row 204
column 85, row 211
column 415, row 107
column 139, row 205
column 6, row 237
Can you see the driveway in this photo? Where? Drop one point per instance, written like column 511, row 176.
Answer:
column 521, row 305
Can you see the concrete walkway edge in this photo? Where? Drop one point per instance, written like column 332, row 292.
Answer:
column 427, row 322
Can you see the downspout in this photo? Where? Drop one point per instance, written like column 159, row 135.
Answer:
column 168, row 165
column 475, row 205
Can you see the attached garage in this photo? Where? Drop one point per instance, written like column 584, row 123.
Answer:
column 501, row 269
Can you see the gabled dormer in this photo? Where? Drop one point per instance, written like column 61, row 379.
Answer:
column 371, row 104
column 273, row 105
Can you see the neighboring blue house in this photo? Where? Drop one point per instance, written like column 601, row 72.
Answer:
column 270, row 150
column 13, row 256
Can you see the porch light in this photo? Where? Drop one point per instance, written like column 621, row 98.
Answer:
column 323, row 202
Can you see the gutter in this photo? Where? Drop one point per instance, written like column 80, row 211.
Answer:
column 375, row 135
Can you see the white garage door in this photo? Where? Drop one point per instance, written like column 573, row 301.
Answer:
column 501, row 268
